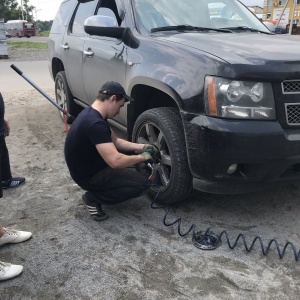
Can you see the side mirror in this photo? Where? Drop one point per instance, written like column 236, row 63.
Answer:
column 103, row 26
column 108, row 26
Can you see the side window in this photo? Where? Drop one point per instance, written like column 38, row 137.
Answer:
column 109, row 8
column 62, row 17
column 84, row 10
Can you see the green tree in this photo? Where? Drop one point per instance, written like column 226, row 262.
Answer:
column 43, row 25
column 28, row 10
column 10, row 10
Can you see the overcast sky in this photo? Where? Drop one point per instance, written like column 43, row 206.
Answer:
column 46, row 9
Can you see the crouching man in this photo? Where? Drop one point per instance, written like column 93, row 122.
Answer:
column 93, row 158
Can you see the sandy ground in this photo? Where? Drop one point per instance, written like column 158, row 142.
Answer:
column 132, row 255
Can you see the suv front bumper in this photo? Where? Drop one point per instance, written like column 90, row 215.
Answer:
column 264, row 153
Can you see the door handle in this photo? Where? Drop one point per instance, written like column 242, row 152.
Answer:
column 88, row 52
column 65, row 46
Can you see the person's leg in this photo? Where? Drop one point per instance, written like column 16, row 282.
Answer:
column 2, row 231
column 2, row 149
column 7, row 180
column 5, row 163
column 112, row 186
column 7, row 236
column 7, row 270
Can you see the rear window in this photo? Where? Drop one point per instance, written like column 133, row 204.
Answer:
column 62, row 16
column 28, row 25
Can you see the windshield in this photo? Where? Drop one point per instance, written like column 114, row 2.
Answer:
column 198, row 13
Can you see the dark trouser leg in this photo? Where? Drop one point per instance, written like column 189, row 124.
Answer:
column 5, row 164
column 111, row 186
column 3, row 149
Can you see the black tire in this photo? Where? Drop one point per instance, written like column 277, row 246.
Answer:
column 64, row 97
column 163, row 128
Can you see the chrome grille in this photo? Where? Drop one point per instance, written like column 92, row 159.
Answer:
column 292, row 111
column 291, row 87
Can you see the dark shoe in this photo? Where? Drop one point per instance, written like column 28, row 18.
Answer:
column 95, row 210
column 13, row 182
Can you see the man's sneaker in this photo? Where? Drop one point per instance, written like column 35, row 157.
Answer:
column 95, row 210
column 13, row 182
column 12, row 236
column 8, row 271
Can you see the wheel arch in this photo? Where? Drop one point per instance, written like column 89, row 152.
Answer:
column 56, row 66
column 148, row 93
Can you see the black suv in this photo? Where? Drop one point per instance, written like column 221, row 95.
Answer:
column 214, row 89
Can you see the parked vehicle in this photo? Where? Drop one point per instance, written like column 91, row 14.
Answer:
column 20, row 28
column 214, row 89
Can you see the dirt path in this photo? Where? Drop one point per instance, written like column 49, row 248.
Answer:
column 131, row 255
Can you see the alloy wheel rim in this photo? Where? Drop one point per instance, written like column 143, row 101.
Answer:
column 150, row 133
column 61, row 97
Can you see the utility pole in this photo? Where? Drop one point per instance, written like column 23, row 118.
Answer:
column 22, row 10
column 282, row 13
column 36, row 18
column 292, row 18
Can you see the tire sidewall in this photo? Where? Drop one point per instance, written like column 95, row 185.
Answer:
column 169, row 122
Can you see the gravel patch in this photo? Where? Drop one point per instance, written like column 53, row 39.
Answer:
column 22, row 54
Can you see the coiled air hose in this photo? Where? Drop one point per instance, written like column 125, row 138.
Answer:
column 207, row 240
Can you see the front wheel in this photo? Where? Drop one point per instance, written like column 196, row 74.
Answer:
column 64, row 97
column 163, row 128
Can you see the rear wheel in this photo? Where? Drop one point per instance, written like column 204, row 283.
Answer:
column 64, row 97
column 162, row 127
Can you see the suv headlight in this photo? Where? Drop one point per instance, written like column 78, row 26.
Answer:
column 235, row 99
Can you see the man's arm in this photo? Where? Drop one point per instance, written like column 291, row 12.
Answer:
column 117, row 160
column 124, row 145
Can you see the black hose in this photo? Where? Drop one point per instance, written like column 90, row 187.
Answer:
column 209, row 236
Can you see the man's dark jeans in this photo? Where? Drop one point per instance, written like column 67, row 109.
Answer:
column 111, row 186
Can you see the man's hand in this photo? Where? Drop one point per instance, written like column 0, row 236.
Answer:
column 153, row 150
column 146, row 156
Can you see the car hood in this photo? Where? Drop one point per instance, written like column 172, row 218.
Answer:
column 248, row 55
column 241, row 48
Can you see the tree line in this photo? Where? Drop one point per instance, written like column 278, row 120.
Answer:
column 11, row 10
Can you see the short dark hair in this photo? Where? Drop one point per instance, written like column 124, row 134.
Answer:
column 102, row 97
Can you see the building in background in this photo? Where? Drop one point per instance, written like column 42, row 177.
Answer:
column 272, row 11
column 257, row 10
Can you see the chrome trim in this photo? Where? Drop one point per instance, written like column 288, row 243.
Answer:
column 297, row 82
column 287, row 112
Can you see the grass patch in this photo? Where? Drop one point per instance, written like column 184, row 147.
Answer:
column 43, row 33
column 36, row 45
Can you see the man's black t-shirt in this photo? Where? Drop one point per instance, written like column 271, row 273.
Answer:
column 82, row 157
